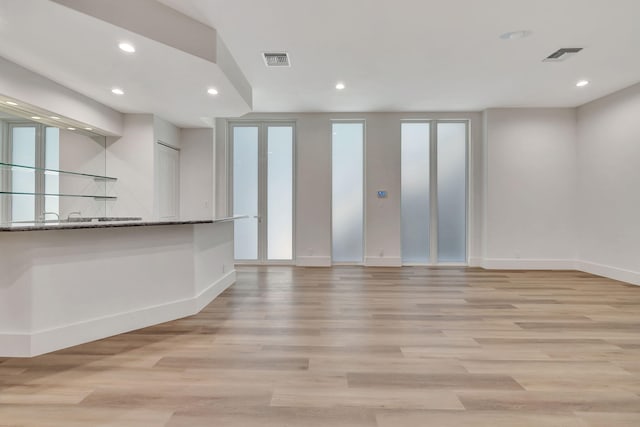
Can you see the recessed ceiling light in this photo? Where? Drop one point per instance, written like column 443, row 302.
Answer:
column 55, row 117
column 582, row 83
column 35, row 117
column 514, row 35
column 11, row 103
column 340, row 86
column 71, row 128
column 212, row 91
column 117, row 91
column 127, row 47
column 88, row 128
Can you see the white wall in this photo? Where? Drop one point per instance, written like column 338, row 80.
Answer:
column 609, row 185
column 131, row 159
column 313, row 182
column 530, row 188
column 196, row 173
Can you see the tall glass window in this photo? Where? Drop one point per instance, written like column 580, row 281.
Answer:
column 279, row 192
column 452, row 192
column 245, row 191
column 347, row 192
column 415, row 192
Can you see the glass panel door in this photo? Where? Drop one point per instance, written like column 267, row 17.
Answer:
column 452, row 192
column 415, row 192
column 434, row 192
column 347, row 205
column 263, row 184
column 279, row 192
column 245, row 191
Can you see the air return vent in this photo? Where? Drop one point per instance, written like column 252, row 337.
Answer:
column 562, row 54
column 276, row 59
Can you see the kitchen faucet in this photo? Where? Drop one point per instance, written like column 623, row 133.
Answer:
column 73, row 213
column 43, row 217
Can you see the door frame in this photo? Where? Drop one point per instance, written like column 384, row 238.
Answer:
column 433, row 190
column 263, row 195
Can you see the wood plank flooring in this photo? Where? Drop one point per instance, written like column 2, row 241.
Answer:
column 357, row 347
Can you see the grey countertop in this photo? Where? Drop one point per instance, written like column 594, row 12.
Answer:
column 74, row 225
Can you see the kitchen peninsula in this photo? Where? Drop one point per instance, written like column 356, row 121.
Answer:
column 67, row 284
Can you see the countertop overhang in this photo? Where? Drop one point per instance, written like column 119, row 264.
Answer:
column 112, row 224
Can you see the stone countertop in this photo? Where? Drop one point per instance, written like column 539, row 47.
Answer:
column 75, row 225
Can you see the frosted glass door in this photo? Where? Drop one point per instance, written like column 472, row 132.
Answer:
column 434, row 192
column 415, row 221
column 280, row 192
column 452, row 192
column 245, row 191
column 263, row 171
column 347, row 216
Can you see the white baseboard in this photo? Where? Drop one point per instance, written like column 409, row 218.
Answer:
column 15, row 345
column 28, row 345
column 527, row 264
column 614, row 273
column 375, row 261
column 475, row 262
column 313, row 261
column 628, row 276
column 212, row 291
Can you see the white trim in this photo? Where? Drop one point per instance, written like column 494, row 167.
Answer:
column 610, row 272
column 475, row 262
column 628, row 276
column 40, row 342
column 15, row 345
column 313, row 261
column 374, row 261
column 527, row 264
column 211, row 292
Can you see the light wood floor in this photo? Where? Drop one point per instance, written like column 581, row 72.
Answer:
column 354, row 347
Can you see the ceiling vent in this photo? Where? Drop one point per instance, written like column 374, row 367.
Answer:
column 276, row 59
column 562, row 54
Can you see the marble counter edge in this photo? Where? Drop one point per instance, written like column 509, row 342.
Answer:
column 116, row 224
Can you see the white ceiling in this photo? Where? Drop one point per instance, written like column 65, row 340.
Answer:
column 81, row 53
column 425, row 55
column 401, row 55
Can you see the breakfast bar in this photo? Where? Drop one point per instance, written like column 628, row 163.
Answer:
column 63, row 284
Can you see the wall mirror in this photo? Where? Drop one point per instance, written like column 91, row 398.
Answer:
column 51, row 171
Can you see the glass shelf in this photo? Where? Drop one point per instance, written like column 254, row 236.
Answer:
column 95, row 177
column 29, row 193
column 17, row 193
